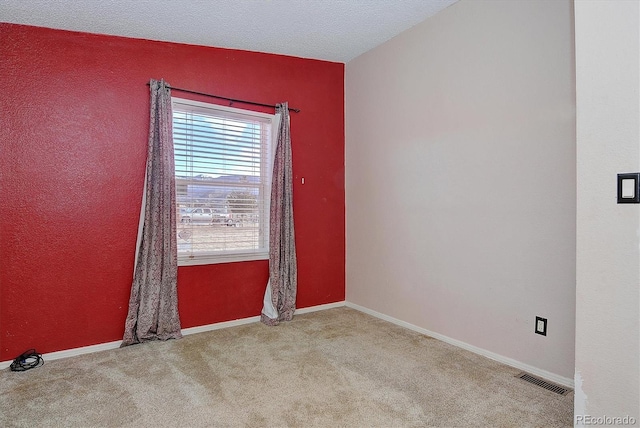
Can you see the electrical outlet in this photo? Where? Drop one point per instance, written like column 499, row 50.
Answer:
column 541, row 326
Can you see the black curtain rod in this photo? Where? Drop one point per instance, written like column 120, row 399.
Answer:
column 231, row 100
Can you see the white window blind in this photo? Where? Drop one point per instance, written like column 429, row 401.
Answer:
column 222, row 162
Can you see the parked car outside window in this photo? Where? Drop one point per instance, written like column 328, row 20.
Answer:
column 206, row 215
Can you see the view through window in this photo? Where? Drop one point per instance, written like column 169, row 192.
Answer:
column 222, row 182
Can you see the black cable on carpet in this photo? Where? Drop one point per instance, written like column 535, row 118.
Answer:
column 27, row 360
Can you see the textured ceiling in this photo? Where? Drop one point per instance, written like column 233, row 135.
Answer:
column 332, row 30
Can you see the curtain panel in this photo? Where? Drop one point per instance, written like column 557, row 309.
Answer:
column 153, row 304
column 280, row 295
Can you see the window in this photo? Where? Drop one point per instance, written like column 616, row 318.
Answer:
column 223, row 178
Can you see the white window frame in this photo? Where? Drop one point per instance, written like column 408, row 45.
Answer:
column 205, row 258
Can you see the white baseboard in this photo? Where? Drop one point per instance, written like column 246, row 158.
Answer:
column 561, row 380
column 242, row 321
column 72, row 352
column 219, row 325
column 320, row 307
column 185, row 332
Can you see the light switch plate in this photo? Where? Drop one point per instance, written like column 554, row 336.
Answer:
column 541, row 326
column 628, row 188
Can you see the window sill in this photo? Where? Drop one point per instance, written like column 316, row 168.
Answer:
column 211, row 259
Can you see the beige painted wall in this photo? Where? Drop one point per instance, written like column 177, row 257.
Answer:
column 608, row 251
column 460, row 178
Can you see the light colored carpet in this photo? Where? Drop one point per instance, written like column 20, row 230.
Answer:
column 333, row 368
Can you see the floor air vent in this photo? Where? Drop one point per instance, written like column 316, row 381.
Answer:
column 543, row 383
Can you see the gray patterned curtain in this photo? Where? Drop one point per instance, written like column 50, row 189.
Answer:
column 153, row 305
column 280, row 295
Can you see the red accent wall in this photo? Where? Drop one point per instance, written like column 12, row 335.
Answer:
column 73, row 129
